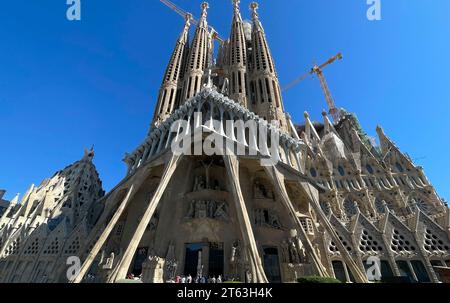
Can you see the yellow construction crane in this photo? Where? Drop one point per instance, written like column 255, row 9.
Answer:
column 318, row 70
column 181, row 12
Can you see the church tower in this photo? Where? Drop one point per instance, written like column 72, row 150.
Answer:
column 170, row 90
column 264, row 86
column 198, row 59
column 238, row 58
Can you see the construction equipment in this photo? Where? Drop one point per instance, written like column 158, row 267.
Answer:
column 317, row 70
column 181, row 12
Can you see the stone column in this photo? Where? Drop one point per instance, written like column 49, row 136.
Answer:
column 104, row 236
column 153, row 270
column 124, row 263
column 358, row 274
column 278, row 183
column 258, row 274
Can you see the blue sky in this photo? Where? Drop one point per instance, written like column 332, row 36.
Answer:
column 67, row 85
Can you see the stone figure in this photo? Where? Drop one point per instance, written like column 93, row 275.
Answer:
column 196, row 180
column 225, row 85
column 235, row 259
column 207, row 209
column 221, row 212
column 109, row 262
column 285, row 252
column 248, row 275
column 102, row 257
column 191, row 211
column 199, row 183
column 318, row 251
column 211, row 209
column 201, row 211
column 273, row 221
column 154, row 223
column 293, row 252
column 235, row 252
column 260, row 190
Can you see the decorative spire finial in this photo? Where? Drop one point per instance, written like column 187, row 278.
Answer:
column 236, row 5
column 205, row 7
column 188, row 18
column 254, row 7
column 88, row 154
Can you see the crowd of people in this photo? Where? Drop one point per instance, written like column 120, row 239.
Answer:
column 198, row 280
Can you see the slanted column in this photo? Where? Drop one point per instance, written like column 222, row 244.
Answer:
column 104, row 236
column 358, row 274
column 278, row 183
column 248, row 237
column 124, row 264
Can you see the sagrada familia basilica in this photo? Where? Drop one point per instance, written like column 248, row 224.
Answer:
column 332, row 204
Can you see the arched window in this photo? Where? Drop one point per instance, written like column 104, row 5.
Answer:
column 341, row 171
column 399, row 167
column 369, row 169
column 313, row 172
column 350, row 208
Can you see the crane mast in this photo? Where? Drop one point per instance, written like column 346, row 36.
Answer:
column 318, row 70
column 181, row 12
column 334, row 112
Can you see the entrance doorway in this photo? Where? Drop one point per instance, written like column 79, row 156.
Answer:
column 191, row 262
column 272, row 265
column 204, row 258
column 216, row 259
column 139, row 259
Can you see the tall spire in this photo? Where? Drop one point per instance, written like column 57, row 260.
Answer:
column 198, row 58
column 170, row 90
column 238, row 58
column 264, row 87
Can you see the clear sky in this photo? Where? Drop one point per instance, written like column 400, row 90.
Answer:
column 68, row 85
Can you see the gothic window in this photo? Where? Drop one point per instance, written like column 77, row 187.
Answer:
column 73, row 247
column 350, row 208
column 52, row 248
column 422, row 204
column 379, row 204
column 434, row 244
column 196, row 85
column 252, row 92
column 240, row 82
column 399, row 167
column 13, row 247
column 368, row 244
column 325, row 207
column 313, row 172
column 307, row 225
column 268, row 91
column 369, row 169
column 334, row 249
column 341, row 171
column 399, row 244
column 261, row 90
column 33, row 248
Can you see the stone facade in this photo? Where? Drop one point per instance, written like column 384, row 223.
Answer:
column 3, row 203
column 332, row 203
column 49, row 224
